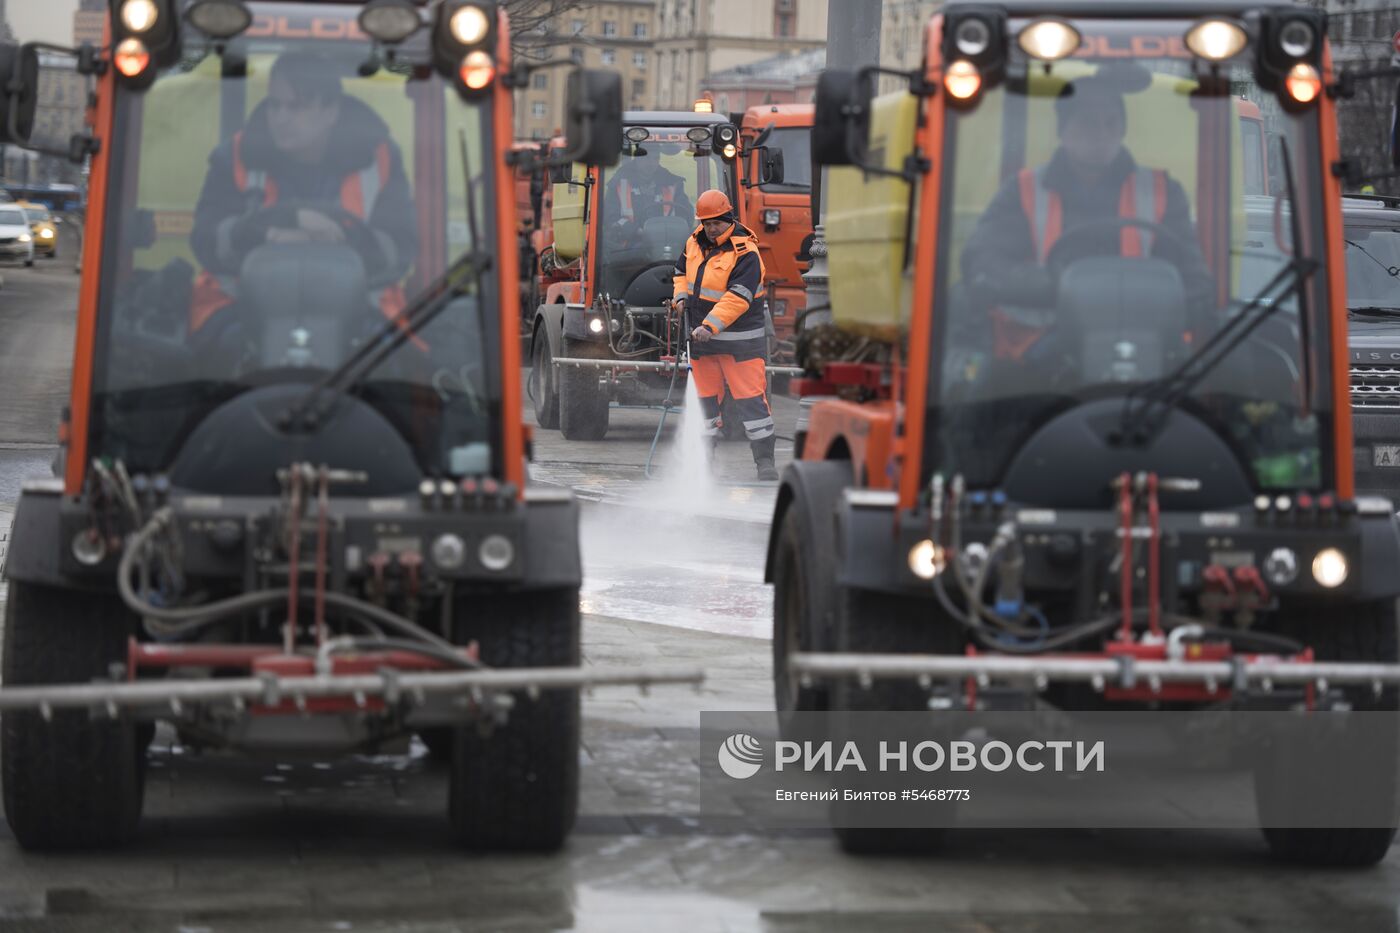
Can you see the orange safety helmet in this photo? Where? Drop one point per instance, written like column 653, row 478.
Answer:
column 711, row 204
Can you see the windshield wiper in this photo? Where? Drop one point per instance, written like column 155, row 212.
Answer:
column 1392, row 271
column 1146, row 408
column 1377, row 310
column 308, row 410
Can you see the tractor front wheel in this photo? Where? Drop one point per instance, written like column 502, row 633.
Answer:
column 583, row 402
column 76, row 781
column 514, row 786
column 1366, row 633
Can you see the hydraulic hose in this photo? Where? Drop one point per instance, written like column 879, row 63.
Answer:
column 178, row 622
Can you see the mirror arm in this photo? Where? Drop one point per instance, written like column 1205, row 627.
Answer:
column 1345, row 85
column 519, row 76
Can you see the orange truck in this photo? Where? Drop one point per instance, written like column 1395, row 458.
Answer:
column 780, row 211
column 291, row 512
column 1078, row 460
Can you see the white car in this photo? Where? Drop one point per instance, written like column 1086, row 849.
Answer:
column 16, row 240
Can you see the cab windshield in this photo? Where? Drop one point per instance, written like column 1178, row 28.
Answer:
column 647, row 209
column 271, row 206
column 1373, row 270
column 1105, row 223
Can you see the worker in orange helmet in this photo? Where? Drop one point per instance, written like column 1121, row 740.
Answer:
column 719, row 289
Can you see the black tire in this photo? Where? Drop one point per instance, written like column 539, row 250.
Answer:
column 583, row 403
column 869, row 622
column 544, row 387
column 1360, row 633
column 804, row 583
column 76, row 782
column 516, row 789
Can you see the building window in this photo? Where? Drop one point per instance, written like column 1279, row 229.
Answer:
column 576, row 56
column 539, row 108
column 639, row 30
column 609, row 56
column 782, row 25
column 540, row 80
column 577, row 26
column 609, row 27
column 724, row 103
column 639, row 88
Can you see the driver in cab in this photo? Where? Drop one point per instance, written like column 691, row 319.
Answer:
column 643, row 189
column 312, row 165
column 1091, row 179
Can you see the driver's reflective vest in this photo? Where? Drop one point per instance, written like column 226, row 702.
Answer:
column 358, row 193
column 668, row 200
column 1143, row 196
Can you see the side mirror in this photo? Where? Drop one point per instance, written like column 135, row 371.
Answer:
column 842, row 112
column 19, row 67
column 772, row 171
column 559, row 174
column 594, row 118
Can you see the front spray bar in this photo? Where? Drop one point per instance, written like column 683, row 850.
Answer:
column 1120, row 671
column 269, row 690
column 655, row 366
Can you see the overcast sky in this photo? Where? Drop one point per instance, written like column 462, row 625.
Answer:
column 42, row 20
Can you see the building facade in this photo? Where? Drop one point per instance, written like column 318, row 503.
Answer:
column 697, row 38
column 88, row 22
column 616, row 35
column 785, row 79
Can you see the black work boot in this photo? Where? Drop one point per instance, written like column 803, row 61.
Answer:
column 763, row 458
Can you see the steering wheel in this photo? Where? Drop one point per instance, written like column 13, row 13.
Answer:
column 1055, row 261
column 358, row 235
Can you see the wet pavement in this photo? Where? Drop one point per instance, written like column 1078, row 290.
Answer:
column 673, row 576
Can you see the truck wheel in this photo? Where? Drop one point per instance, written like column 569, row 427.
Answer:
column 77, row 781
column 1358, row 633
column 517, row 788
column 869, row 622
column 583, row 403
column 804, row 583
column 544, row 383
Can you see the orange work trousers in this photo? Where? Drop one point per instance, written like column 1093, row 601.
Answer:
column 745, row 380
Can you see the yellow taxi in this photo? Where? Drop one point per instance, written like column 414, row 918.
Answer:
column 42, row 227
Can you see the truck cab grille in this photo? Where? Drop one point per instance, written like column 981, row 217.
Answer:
column 1375, row 386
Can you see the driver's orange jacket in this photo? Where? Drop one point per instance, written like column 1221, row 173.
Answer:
column 358, row 192
column 1143, row 196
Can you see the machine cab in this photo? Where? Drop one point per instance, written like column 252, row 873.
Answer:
column 643, row 209
column 1086, row 258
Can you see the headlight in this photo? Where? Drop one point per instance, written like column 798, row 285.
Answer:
column 221, row 19
column 596, row 325
column 132, row 57
column 139, row 15
column 390, row 20
column 1330, row 568
column 496, row 552
column 973, row 37
column 1296, row 39
column 963, row 80
column 449, row 551
column 1049, row 40
column 46, row 234
column 772, row 217
column 25, row 238
column 469, row 25
column 926, row 559
column 478, row 69
column 1304, row 84
column 1216, row 39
